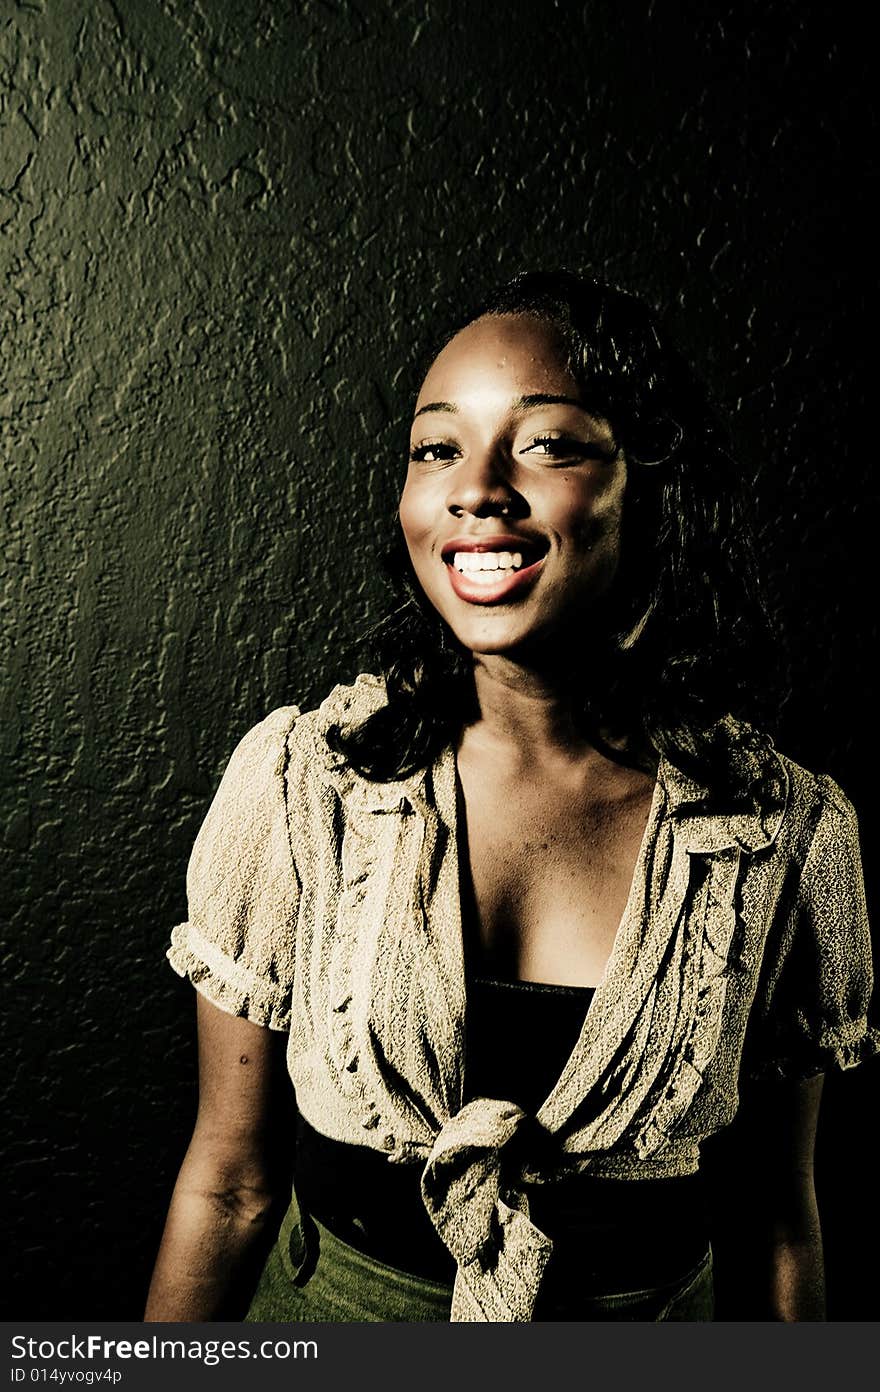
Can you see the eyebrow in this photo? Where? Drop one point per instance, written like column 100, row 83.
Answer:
column 436, row 406
column 522, row 403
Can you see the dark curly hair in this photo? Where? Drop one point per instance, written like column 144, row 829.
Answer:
column 687, row 634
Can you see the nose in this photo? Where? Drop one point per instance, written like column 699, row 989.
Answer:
column 481, row 485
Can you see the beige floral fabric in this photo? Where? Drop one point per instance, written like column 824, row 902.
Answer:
column 326, row 905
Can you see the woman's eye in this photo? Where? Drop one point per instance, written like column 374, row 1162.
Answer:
column 566, row 447
column 555, row 445
column 432, row 452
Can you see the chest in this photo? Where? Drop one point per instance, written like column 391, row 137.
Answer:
column 546, row 873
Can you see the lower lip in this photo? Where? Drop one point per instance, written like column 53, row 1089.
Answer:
column 476, row 593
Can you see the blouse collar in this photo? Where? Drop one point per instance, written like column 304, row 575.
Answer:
column 699, row 831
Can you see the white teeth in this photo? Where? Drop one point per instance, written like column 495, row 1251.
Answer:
column 484, row 577
column 473, row 562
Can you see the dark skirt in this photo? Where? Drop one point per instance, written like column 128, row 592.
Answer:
column 311, row 1276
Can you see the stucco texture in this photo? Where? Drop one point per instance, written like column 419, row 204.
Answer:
column 226, row 234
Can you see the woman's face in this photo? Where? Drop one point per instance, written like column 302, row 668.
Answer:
column 512, row 504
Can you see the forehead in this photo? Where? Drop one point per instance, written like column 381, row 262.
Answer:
column 516, row 354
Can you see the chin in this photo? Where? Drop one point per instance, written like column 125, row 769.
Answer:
column 508, row 643
column 544, row 644
column 487, row 648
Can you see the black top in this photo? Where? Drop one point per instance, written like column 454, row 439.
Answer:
column 520, row 1035
column 608, row 1234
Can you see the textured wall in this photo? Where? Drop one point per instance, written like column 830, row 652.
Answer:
column 225, row 231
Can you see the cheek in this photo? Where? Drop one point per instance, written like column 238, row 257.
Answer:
column 580, row 510
column 593, row 516
column 597, row 530
column 416, row 516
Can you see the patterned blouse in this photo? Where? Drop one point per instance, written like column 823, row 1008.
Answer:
column 326, row 905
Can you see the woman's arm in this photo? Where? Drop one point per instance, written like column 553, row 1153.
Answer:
column 766, row 1232
column 792, row 1280
column 233, row 1179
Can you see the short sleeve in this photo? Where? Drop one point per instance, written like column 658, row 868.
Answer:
column 237, row 944
column 811, row 1008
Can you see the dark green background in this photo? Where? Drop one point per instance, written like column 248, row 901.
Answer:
column 226, row 232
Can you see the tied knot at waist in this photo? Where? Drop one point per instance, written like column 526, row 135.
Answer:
column 471, row 1190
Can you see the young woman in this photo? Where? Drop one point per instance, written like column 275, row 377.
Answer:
column 533, row 912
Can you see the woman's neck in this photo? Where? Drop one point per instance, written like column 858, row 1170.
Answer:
column 529, row 715
column 525, row 710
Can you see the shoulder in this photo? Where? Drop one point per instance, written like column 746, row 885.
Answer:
column 257, row 763
column 289, row 730
column 816, row 805
column 278, row 772
column 763, row 800
column 817, row 838
column 295, row 747
column 345, row 706
column 809, row 786
column 265, row 742
column 803, row 790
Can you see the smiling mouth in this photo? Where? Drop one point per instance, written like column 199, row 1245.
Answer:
column 493, row 576
column 488, row 566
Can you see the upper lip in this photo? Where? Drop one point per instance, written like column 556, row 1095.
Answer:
column 496, row 541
